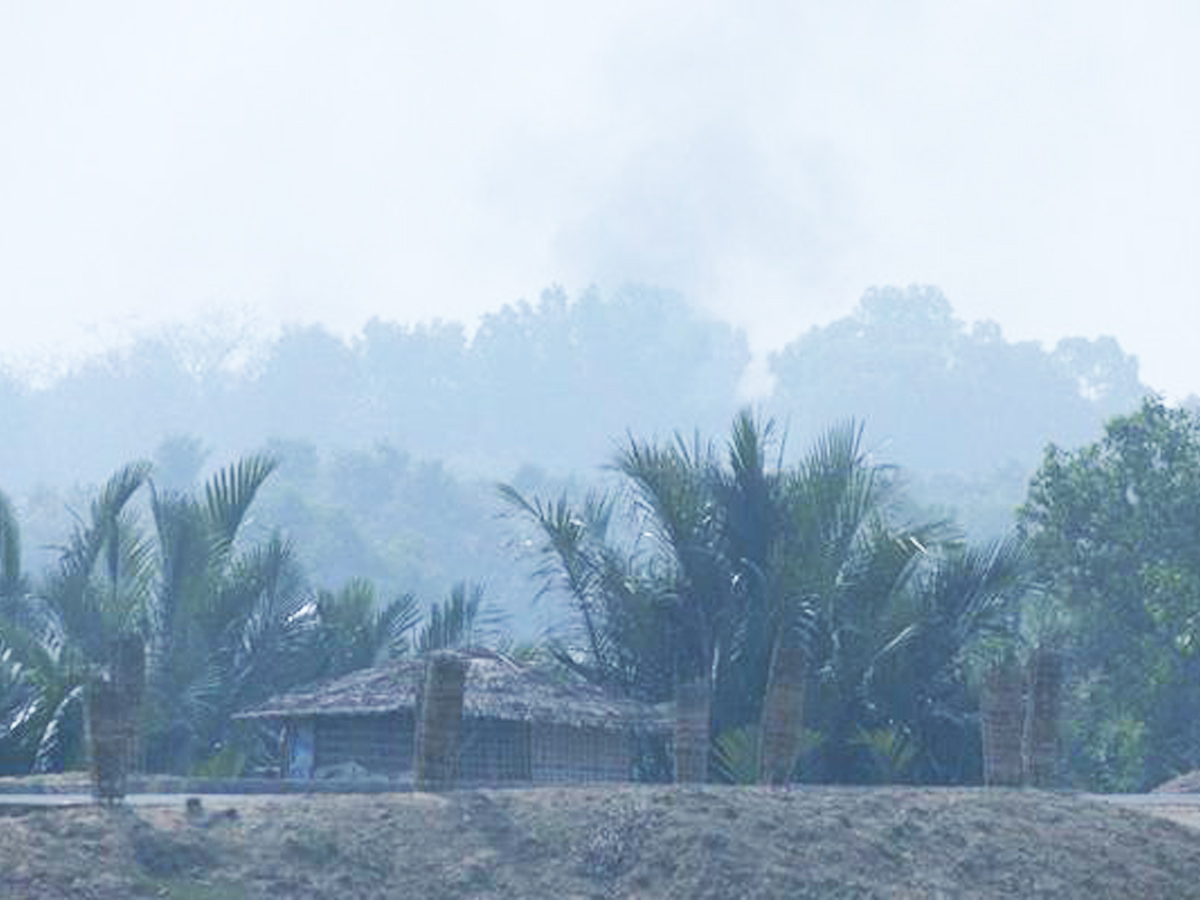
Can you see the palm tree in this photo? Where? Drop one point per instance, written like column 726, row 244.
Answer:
column 55, row 635
column 622, row 603
column 677, row 494
column 827, row 543
column 697, row 609
column 959, row 608
column 775, row 599
column 358, row 631
column 19, row 628
column 12, row 582
column 220, row 625
column 224, row 626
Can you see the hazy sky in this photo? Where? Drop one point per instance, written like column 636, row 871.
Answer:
column 1039, row 161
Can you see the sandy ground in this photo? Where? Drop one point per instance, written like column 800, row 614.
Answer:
column 604, row 843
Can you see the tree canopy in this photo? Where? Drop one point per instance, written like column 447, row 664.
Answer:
column 945, row 397
column 1114, row 529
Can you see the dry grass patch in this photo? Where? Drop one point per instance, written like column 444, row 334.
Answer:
column 606, row 843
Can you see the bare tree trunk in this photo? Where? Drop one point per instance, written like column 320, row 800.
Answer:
column 1045, row 702
column 693, row 716
column 1000, row 711
column 439, row 724
column 781, row 728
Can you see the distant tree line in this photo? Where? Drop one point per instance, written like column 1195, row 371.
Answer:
column 557, row 382
column 389, row 443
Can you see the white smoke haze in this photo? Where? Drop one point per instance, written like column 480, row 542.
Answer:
column 333, row 162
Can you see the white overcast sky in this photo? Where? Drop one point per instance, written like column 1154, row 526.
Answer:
column 1039, row 161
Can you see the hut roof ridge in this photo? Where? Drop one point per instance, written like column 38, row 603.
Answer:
column 497, row 686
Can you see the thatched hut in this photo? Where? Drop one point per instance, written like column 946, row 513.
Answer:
column 519, row 724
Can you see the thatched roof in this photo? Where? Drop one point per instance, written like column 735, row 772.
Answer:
column 496, row 687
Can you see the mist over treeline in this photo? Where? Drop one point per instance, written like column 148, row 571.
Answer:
column 391, row 442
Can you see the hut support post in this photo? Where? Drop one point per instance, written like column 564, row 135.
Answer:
column 439, row 723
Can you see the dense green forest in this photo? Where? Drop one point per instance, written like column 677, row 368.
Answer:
column 910, row 502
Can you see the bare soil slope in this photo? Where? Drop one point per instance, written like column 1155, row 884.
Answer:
column 593, row 843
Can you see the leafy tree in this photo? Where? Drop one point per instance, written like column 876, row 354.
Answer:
column 640, row 359
column 404, row 524
column 178, row 461
column 1114, row 529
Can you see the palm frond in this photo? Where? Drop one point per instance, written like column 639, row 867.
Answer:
column 460, row 620
column 394, row 624
column 572, row 545
column 231, row 490
column 266, row 643
column 103, row 570
column 891, row 749
column 105, row 517
column 735, row 755
column 61, row 736
column 357, row 632
column 184, row 559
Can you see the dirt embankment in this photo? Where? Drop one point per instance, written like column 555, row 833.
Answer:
column 596, row 843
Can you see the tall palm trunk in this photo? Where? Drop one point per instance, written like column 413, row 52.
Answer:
column 439, row 722
column 781, row 727
column 108, row 738
column 1045, row 690
column 1000, row 712
column 693, row 717
column 112, row 707
column 129, row 680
